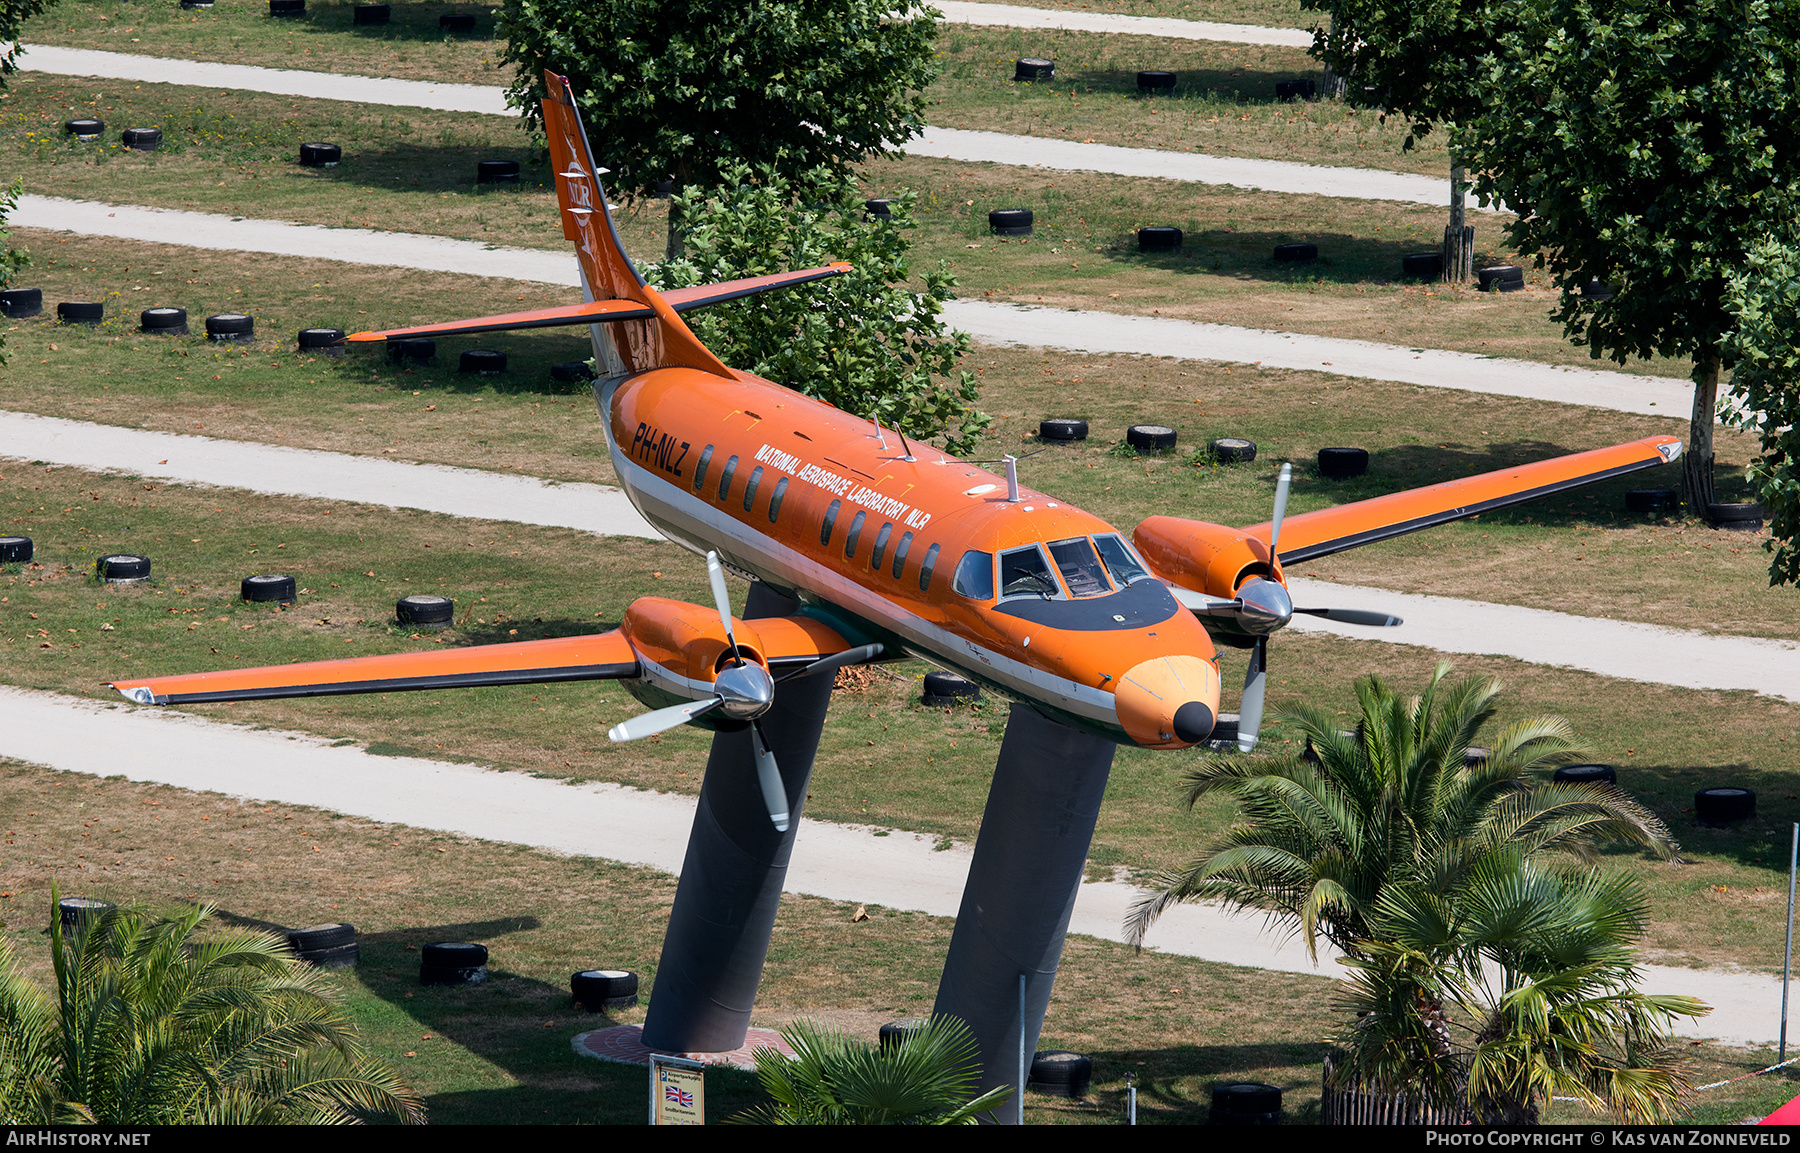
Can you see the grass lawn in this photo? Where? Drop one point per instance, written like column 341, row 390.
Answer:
column 1269, row 13
column 1224, row 102
column 884, row 761
column 499, row 1053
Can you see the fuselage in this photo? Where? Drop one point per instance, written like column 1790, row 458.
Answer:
column 1033, row 598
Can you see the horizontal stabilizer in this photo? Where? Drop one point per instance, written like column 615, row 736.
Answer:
column 1311, row 535
column 606, row 311
column 602, row 656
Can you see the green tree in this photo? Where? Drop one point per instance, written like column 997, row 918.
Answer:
column 1764, row 299
column 1648, row 143
column 1393, row 804
column 864, row 342
column 156, row 1024
column 928, row 1078
column 1513, row 986
column 1421, row 61
column 13, row 14
column 1475, row 967
column 12, row 260
column 684, row 89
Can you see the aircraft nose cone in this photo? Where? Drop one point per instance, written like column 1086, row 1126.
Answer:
column 1168, row 702
column 1194, row 722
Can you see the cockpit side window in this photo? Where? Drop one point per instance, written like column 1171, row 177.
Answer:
column 1079, row 566
column 1121, row 560
column 1024, row 572
column 975, row 576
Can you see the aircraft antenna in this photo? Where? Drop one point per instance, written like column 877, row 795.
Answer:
column 1012, row 479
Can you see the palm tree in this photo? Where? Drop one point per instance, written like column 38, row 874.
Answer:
column 1515, row 987
column 155, row 1025
column 925, row 1079
column 1477, row 972
column 1397, row 802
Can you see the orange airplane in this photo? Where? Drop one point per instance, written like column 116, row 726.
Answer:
column 884, row 548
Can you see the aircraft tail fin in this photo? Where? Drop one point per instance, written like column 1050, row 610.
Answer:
column 656, row 341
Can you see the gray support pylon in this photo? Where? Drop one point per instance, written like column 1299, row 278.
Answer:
column 1029, row 859
column 731, row 880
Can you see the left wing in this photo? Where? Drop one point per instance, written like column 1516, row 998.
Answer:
column 1311, row 535
column 602, row 656
column 605, row 311
column 786, row 643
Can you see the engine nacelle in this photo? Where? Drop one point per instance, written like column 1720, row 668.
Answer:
column 1207, row 558
column 681, row 648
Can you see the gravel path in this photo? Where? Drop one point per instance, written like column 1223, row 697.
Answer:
column 990, row 322
column 838, row 862
column 1016, row 16
column 944, row 143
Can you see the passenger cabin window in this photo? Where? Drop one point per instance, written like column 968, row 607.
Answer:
column 1079, row 566
column 1024, row 572
column 925, row 569
column 856, row 523
column 900, row 554
column 775, row 501
column 1121, row 559
column 830, row 520
column 700, row 469
column 750, row 489
column 881, row 539
column 725, row 477
column 974, row 576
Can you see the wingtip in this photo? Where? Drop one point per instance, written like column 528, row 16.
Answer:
column 137, row 694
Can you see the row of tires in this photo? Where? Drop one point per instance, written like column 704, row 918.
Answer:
column 1034, row 69
column 334, row 946
column 364, row 14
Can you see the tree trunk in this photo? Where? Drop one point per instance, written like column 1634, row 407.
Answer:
column 1459, row 238
column 1697, row 462
column 1333, row 87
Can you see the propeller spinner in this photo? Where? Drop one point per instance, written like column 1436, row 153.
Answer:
column 742, row 692
column 1264, row 606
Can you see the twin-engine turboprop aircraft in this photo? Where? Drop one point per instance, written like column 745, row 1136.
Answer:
column 884, row 548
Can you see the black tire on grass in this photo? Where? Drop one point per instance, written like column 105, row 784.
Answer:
column 277, row 587
column 1034, row 68
column 1155, row 80
column 1652, row 500
column 1150, row 437
column 1010, row 221
column 1500, row 278
column 1736, row 516
column 458, row 22
column 1233, row 450
column 496, row 171
column 942, row 689
column 1159, row 239
column 425, row 609
column 81, row 312
column 141, row 139
column 85, row 129
column 453, row 955
column 482, row 362
column 1062, row 428
column 372, row 14
column 1296, row 253
column 225, row 327
column 571, row 372
column 313, row 938
column 599, row 989
column 1422, row 265
column 1725, row 805
column 1059, row 1073
column 163, row 321
column 18, row 303
column 15, row 549
column 318, row 154
column 418, row 349
column 1586, row 775
column 320, row 341
column 122, row 568
column 1343, row 463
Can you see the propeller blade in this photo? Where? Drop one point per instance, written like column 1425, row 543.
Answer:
column 836, row 661
column 1355, row 617
column 1282, row 484
column 715, row 573
column 1250, row 708
column 774, row 794
column 651, row 723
